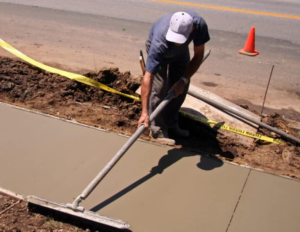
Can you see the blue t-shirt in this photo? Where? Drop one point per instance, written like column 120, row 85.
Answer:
column 162, row 51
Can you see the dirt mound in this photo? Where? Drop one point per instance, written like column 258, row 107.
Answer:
column 24, row 85
column 33, row 88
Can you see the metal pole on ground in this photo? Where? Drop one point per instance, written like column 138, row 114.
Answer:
column 242, row 115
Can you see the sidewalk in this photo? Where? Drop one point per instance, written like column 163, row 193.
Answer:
column 153, row 188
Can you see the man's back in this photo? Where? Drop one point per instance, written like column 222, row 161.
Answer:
column 160, row 50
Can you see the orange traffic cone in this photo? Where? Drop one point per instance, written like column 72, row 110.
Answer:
column 249, row 48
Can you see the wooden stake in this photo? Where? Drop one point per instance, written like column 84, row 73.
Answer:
column 267, row 90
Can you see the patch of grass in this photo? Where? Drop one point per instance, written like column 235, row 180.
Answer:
column 51, row 223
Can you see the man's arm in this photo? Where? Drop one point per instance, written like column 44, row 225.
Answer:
column 145, row 94
column 194, row 65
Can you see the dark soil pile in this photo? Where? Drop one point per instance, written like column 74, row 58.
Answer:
column 24, row 85
column 31, row 87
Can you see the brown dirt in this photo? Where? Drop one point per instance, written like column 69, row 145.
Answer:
column 24, row 85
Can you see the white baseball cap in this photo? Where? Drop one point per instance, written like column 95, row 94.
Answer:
column 181, row 25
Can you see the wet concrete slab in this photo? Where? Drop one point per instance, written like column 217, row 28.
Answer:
column 269, row 203
column 154, row 188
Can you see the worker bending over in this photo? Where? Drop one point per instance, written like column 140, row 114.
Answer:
column 169, row 68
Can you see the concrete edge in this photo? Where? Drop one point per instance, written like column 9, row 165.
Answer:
column 261, row 170
column 12, row 194
column 81, row 124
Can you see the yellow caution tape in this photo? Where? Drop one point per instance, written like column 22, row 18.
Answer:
column 229, row 128
column 69, row 75
column 97, row 84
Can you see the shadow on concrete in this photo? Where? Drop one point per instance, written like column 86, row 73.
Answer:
column 173, row 156
column 203, row 138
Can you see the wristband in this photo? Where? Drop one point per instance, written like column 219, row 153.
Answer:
column 185, row 80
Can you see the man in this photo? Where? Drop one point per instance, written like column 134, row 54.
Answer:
column 169, row 68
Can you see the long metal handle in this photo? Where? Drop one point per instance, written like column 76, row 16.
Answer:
column 86, row 192
column 242, row 115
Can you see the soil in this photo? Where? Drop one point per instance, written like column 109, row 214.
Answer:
column 26, row 86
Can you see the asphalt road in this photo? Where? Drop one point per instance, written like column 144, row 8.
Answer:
column 87, row 35
column 229, row 19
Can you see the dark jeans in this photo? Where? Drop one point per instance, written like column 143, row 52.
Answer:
column 169, row 73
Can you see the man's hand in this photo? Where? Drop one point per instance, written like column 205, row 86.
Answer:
column 145, row 94
column 178, row 88
column 144, row 119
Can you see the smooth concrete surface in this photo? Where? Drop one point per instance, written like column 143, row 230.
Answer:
column 154, row 188
column 268, row 203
